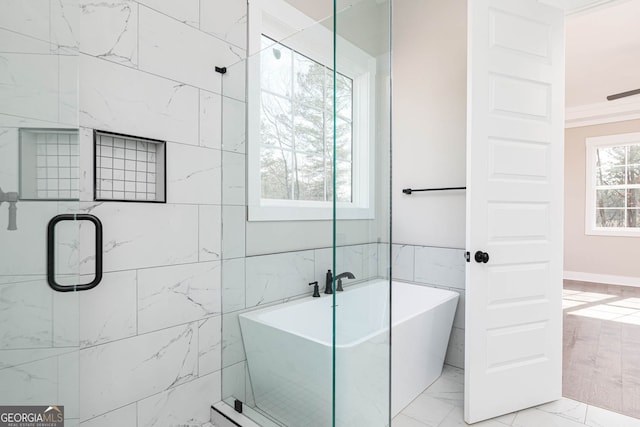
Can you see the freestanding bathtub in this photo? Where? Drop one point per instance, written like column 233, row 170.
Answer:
column 289, row 353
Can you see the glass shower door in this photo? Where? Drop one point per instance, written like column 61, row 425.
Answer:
column 360, row 137
column 39, row 181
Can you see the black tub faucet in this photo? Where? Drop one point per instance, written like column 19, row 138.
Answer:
column 345, row 275
column 328, row 284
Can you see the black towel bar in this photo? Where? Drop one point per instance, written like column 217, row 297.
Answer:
column 412, row 190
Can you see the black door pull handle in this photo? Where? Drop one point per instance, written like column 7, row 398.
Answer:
column 51, row 252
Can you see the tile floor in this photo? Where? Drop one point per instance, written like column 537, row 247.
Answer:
column 441, row 406
column 601, row 352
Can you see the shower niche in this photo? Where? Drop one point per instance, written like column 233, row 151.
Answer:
column 49, row 164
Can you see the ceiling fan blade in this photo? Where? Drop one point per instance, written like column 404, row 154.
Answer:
column 623, row 94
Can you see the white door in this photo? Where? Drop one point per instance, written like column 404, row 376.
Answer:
column 513, row 355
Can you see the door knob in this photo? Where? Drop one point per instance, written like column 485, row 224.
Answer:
column 482, row 257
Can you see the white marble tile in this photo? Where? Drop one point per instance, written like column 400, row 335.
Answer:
column 9, row 169
column 402, row 420
column 234, row 81
column 193, row 174
column 26, row 316
column 234, row 382
column 32, row 218
column 455, row 349
column 185, row 405
column 108, row 312
column 233, row 285
column 448, row 390
column 9, row 358
column 186, row 11
column 109, row 30
column 210, row 232
column 125, row 416
column 120, row 99
column 29, row 86
column 65, row 19
column 171, row 49
column 68, row 91
column 440, row 266
column 233, row 178
column 18, row 43
column 233, row 231
column 31, row 383
column 598, row 417
column 456, row 418
column 233, row 125
column 115, row 374
column 68, row 384
column 370, row 261
column 30, row 18
column 177, row 294
column 228, row 23
column 536, row 418
column 132, row 238
column 278, row 276
column 232, row 344
column 209, row 345
column 383, row 260
column 428, row 410
column 66, row 316
column 210, row 119
column 402, row 262
column 568, row 408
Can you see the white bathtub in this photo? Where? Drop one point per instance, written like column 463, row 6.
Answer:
column 289, row 353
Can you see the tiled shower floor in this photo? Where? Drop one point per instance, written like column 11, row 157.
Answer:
column 441, row 406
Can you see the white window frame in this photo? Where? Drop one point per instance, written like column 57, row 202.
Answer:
column 279, row 20
column 590, row 207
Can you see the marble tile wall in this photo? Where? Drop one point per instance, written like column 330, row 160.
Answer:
column 439, row 268
column 150, row 336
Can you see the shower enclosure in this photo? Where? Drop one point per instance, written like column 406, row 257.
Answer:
column 306, row 207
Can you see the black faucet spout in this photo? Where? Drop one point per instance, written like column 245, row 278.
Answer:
column 339, row 277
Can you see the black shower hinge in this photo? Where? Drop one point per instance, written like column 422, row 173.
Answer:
column 221, row 70
column 467, row 256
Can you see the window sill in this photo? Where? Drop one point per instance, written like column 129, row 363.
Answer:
column 282, row 211
column 613, row 232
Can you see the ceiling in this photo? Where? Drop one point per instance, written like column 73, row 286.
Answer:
column 602, row 53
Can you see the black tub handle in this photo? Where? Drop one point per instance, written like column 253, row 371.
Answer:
column 51, row 254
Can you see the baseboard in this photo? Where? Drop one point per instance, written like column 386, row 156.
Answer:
column 608, row 279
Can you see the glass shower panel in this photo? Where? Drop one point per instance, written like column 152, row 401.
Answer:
column 360, row 139
column 39, row 174
column 276, row 337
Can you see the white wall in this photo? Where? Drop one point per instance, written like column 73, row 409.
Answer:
column 594, row 258
column 429, row 121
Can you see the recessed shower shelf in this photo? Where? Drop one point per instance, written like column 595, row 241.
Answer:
column 129, row 168
column 49, row 164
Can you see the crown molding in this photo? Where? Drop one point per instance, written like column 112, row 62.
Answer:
column 602, row 112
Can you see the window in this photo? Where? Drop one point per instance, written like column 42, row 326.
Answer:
column 613, row 185
column 290, row 119
column 296, row 127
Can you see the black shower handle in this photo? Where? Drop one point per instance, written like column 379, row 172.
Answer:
column 51, row 254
